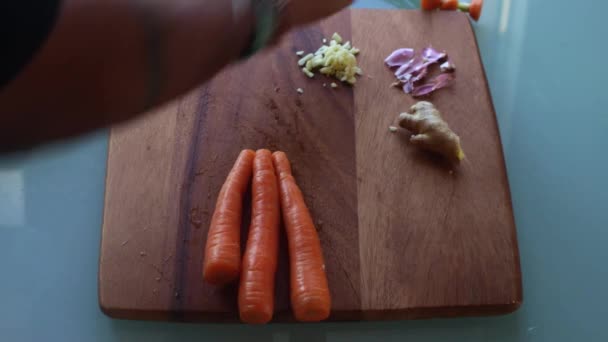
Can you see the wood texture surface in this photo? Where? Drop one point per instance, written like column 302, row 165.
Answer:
column 402, row 236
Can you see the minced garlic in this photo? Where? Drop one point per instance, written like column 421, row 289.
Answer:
column 308, row 73
column 334, row 60
column 305, row 59
column 336, row 37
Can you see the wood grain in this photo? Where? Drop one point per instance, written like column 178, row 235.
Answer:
column 402, row 237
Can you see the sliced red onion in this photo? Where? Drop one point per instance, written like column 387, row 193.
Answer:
column 424, row 89
column 412, row 67
column 399, row 57
column 438, row 82
column 427, row 57
column 408, row 86
column 404, row 73
column 447, row 66
column 419, row 74
column 433, row 55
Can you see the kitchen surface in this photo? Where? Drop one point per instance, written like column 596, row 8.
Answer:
column 51, row 204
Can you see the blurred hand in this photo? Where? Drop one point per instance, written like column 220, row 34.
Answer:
column 302, row 12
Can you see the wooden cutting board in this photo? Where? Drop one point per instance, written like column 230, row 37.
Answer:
column 403, row 236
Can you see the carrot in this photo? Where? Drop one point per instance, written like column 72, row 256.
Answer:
column 256, row 289
column 429, row 5
column 449, row 5
column 475, row 9
column 310, row 298
column 223, row 251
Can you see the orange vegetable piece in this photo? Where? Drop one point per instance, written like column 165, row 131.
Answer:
column 429, row 5
column 475, row 9
column 256, row 288
column 310, row 297
column 223, row 249
column 449, row 5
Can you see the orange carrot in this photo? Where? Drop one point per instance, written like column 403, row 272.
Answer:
column 256, row 290
column 429, row 5
column 475, row 9
column 223, row 251
column 310, row 298
column 449, row 5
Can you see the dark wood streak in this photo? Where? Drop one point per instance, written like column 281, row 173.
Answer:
column 184, row 224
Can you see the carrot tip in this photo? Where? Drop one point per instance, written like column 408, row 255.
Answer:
column 281, row 163
column 475, row 9
column 430, row 5
column 255, row 317
column 312, row 315
column 449, row 5
column 247, row 151
column 220, row 274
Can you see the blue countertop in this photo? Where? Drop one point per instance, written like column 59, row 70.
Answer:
column 554, row 127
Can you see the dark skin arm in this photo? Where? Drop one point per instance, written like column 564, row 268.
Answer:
column 108, row 61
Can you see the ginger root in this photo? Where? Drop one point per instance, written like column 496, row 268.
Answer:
column 431, row 132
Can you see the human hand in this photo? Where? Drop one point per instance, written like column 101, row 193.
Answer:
column 302, row 12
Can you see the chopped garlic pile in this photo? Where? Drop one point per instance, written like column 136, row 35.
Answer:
column 335, row 60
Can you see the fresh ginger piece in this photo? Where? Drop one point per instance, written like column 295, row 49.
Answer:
column 431, row 132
